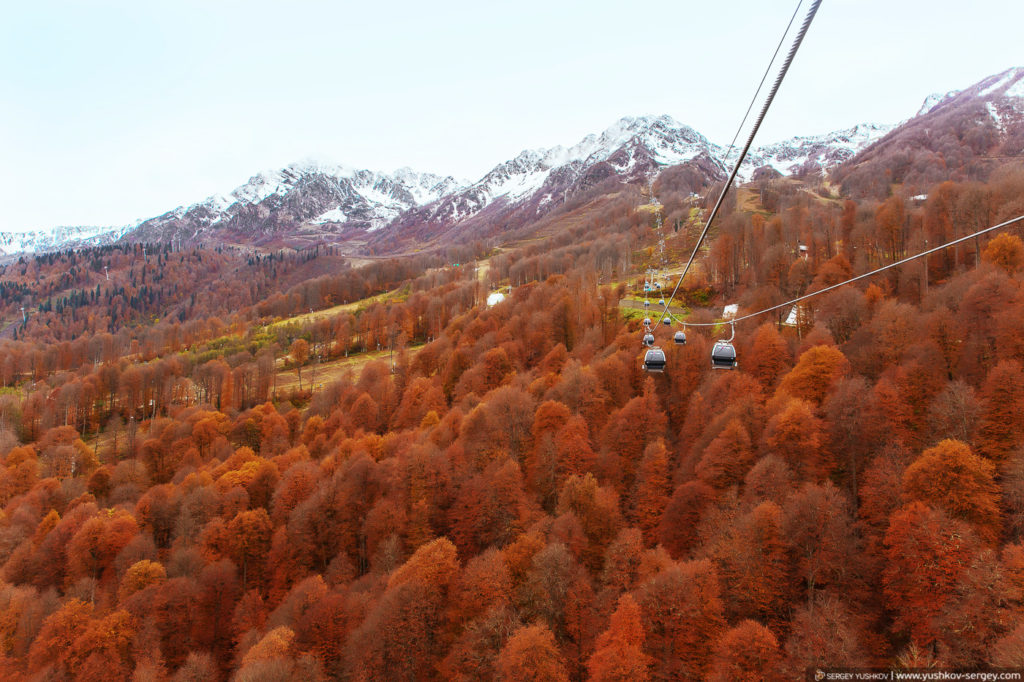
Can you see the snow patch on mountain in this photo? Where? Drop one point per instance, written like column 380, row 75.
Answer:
column 1000, row 81
column 996, row 118
column 1015, row 90
column 818, row 151
column 335, row 215
column 934, row 100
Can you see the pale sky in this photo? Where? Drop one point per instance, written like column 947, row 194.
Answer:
column 115, row 111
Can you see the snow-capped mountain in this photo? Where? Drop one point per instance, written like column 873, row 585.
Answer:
column 312, row 202
column 299, row 203
column 818, row 152
column 59, row 238
column 959, row 135
column 935, row 99
column 632, row 148
column 1002, row 91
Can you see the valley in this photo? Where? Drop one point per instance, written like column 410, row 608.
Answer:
column 287, row 433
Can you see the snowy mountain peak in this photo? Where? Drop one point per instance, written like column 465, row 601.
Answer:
column 814, row 152
column 632, row 146
column 935, row 99
column 312, row 192
column 997, row 101
column 1008, row 84
column 658, row 133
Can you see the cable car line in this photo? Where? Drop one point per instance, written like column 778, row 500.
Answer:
column 750, row 140
column 654, row 358
column 796, row 300
column 782, row 39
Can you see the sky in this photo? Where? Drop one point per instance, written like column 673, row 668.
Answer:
column 112, row 112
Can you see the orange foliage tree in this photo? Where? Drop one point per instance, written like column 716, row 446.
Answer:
column 927, row 554
column 1005, row 251
column 951, row 477
column 531, row 655
column 1002, row 418
column 683, row 618
column 727, row 458
column 748, row 652
column 797, row 437
column 619, row 655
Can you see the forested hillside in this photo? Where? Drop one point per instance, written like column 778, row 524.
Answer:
column 501, row 492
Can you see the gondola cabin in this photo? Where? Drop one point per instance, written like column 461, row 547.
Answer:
column 680, row 338
column 654, row 360
column 723, row 356
column 648, row 340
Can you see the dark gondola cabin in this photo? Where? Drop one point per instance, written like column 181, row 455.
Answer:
column 680, row 338
column 648, row 340
column 723, row 356
column 654, row 360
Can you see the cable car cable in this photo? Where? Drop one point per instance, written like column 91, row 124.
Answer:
column 732, row 143
column 750, row 140
column 861, row 276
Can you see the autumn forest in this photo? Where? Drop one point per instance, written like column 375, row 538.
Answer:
column 226, row 463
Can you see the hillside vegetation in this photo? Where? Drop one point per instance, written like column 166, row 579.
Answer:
column 513, row 497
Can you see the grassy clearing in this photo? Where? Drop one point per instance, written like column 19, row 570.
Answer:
column 483, row 267
column 630, row 309
column 399, row 294
column 328, row 372
column 749, row 200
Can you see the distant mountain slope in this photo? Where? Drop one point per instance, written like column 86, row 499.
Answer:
column 302, row 203
column 312, row 202
column 960, row 135
column 632, row 149
column 801, row 155
column 59, row 238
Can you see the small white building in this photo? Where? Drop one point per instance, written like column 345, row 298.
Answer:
column 793, row 317
column 495, row 298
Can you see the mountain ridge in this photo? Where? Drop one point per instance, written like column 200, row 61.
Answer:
column 313, row 201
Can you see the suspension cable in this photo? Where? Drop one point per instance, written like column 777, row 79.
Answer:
column 782, row 39
column 858, row 277
column 750, row 140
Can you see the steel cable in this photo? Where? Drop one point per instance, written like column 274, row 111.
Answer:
column 750, row 140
